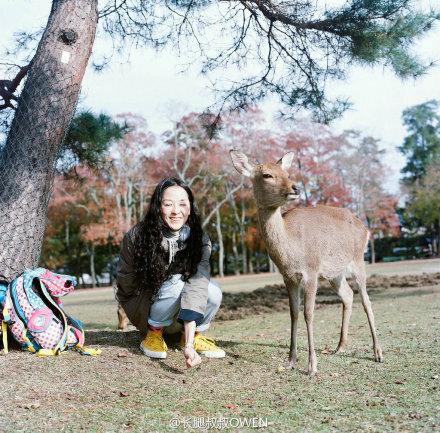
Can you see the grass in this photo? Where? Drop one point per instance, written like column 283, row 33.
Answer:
column 122, row 390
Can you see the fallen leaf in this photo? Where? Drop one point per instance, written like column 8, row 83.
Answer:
column 123, row 394
column 260, row 313
column 127, row 423
column 251, row 338
column 30, row 405
column 334, row 374
column 350, row 393
column 324, row 331
column 325, row 352
column 230, row 405
column 400, row 382
column 261, row 335
column 122, row 354
column 281, row 368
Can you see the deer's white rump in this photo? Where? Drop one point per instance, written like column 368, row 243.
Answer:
column 307, row 244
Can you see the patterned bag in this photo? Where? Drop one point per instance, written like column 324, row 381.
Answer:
column 33, row 312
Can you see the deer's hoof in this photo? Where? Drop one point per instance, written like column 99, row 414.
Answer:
column 378, row 355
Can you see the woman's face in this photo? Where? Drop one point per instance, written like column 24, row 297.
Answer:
column 175, row 207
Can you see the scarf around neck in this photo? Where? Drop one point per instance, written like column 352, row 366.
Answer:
column 175, row 241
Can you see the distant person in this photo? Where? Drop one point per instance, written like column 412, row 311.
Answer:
column 163, row 274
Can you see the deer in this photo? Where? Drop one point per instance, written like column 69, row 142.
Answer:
column 307, row 244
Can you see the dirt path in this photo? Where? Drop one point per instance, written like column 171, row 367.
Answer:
column 274, row 297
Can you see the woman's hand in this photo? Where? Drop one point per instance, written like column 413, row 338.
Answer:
column 192, row 357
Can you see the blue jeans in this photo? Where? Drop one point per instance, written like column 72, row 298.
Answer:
column 166, row 307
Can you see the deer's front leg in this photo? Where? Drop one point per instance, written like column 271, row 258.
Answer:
column 122, row 317
column 294, row 303
column 310, row 287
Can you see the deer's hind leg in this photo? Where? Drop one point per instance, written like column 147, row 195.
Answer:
column 346, row 294
column 122, row 317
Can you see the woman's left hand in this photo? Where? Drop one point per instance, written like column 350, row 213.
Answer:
column 192, row 357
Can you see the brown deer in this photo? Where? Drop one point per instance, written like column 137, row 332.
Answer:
column 307, row 244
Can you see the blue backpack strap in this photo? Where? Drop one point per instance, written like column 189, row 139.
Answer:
column 4, row 283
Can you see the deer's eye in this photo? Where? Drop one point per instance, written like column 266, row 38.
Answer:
column 267, row 176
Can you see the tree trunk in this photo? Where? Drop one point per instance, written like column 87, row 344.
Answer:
column 438, row 225
column 250, row 264
column 257, row 262
column 435, row 248
column 373, row 251
column 221, row 250
column 92, row 264
column 110, row 254
column 79, row 265
column 43, row 113
column 272, row 266
column 243, row 241
column 235, row 253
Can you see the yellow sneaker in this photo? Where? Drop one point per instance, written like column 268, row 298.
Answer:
column 205, row 345
column 154, row 345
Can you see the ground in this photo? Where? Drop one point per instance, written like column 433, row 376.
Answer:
column 122, row 390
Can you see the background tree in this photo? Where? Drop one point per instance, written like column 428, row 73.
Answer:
column 87, row 140
column 363, row 172
column 294, row 47
column 422, row 150
column 423, row 206
column 422, row 146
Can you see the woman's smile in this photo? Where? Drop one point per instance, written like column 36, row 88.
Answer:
column 175, row 207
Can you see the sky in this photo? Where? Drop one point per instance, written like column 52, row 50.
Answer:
column 151, row 84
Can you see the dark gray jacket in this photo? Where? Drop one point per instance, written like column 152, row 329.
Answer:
column 136, row 300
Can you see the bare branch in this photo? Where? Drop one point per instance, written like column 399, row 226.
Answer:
column 8, row 87
column 221, row 203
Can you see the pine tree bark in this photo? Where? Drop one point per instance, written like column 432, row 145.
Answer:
column 43, row 113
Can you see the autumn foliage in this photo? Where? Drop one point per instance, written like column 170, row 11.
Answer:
column 89, row 215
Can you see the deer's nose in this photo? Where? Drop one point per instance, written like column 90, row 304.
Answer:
column 296, row 189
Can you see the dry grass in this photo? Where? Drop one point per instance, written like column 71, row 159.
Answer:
column 122, row 390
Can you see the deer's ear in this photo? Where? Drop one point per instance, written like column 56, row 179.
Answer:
column 286, row 160
column 241, row 163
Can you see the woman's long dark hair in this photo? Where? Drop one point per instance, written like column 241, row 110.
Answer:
column 150, row 258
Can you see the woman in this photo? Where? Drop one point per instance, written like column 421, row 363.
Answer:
column 163, row 274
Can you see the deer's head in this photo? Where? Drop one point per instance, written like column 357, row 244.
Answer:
column 272, row 186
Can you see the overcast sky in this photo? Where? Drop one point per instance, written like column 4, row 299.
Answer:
column 151, row 85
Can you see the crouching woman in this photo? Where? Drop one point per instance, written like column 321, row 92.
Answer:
column 163, row 275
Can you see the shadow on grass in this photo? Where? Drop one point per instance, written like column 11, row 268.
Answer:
column 112, row 338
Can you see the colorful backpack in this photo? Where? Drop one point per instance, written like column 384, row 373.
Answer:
column 34, row 314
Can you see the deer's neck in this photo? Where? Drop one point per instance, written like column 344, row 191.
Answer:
column 274, row 233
